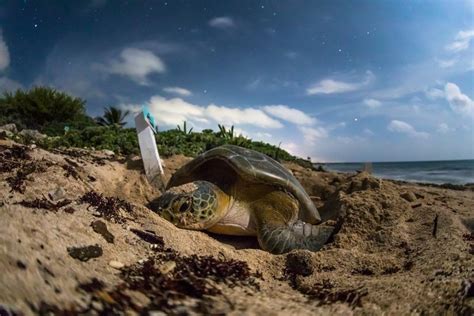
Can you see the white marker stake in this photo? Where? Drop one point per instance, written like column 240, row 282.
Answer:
column 148, row 149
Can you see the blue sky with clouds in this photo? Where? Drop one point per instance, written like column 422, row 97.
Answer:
column 334, row 80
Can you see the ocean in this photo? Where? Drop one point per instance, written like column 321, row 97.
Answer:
column 439, row 172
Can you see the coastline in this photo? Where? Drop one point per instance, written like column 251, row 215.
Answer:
column 441, row 172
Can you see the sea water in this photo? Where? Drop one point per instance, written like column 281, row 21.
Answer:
column 449, row 171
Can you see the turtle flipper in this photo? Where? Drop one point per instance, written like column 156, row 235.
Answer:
column 299, row 235
column 278, row 228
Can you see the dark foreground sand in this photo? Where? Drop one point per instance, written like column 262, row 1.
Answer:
column 400, row 249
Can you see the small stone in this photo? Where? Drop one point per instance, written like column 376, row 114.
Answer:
column 167, row 267
column 20, row 264
column 32, row 134
column 69, row 210
column 85, row 253
column 9, row 127
column 101, row 228
column 116, row 264
column 299, row 262
column 5, row 134
column 109, row 153
column 57, row 194
column 409, row 196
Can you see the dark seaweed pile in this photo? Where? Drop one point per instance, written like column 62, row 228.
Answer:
column 45, row 204
column 166, row 279
column 107, row 207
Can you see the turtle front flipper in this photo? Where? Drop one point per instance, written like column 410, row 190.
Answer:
column 278, row 228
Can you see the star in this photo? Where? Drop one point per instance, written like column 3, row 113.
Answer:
column 36, row 25
column 340, row 50
column 356, row 119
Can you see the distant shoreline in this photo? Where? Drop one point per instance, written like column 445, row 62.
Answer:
column 439, row 172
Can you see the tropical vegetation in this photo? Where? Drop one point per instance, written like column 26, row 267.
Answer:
column 64, row 120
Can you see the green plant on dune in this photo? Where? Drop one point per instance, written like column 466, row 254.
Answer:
column 184, row 130
column 226, row 133
column 44, row 109
column 113, row 117
column 54, row 112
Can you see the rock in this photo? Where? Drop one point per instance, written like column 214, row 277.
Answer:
column 101, row 228
column 116, row 264
column 409, row 196
column 5, row 134
column 57, row 194
column 167, row 267
column 69, row 210
column 32, row 134
column 299, row 262
column 109, row 153
column 9, row 127
column 85, row 253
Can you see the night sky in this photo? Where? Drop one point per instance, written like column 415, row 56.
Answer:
column 334, row 80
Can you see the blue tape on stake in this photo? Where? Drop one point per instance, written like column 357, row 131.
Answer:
column 149, row 118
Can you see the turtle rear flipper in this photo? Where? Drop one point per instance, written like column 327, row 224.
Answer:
column 279, row 230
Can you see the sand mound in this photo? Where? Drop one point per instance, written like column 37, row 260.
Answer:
column 77, row 237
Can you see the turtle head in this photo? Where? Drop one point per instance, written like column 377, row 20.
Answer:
column 195, row 205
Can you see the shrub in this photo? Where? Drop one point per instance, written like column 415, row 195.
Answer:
column 44, row 109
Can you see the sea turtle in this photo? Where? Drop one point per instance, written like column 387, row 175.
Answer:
column 237, row 191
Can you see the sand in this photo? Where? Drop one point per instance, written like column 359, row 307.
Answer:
column 401, row 248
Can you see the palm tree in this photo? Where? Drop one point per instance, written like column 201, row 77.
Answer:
column 113, row 116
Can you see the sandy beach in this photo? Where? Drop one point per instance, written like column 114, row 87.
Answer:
column 76, row 237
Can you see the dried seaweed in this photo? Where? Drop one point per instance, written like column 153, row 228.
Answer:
column 470, row 239
column 12, row 157
column 17, row 182
column 190, row 277
column 327, row 293
column 45, row 204
column 149, row 237
column 70, row 171
column 107, row 207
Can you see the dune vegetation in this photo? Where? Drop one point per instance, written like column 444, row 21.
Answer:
column 63, row 119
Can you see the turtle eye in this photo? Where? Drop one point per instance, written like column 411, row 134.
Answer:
column 185, row 206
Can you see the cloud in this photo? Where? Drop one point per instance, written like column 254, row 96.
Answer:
column 289, row 114
column 372, row 103
column 368, row 132
column 222, row 22
column 434, row 93
column 292, row 55
column 330, row 86
column 136, row 64
column 459, row 102
column 97, row 3
column 7, row 84
column 446, row 63
column 461, row 41
column 178, row 91
column 171, row 112
column 443, row 128
column 4, row 54
column 405, row 128
column 233, row 116
column 312, row 134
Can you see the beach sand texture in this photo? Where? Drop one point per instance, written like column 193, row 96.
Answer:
column 400, row 248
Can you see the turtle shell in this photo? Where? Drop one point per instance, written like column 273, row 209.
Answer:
column 251, row 166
